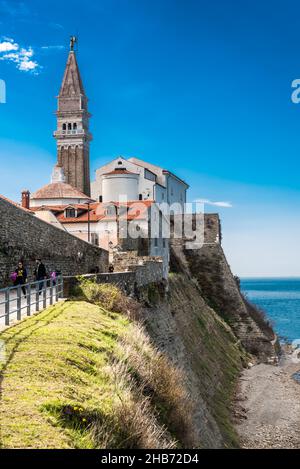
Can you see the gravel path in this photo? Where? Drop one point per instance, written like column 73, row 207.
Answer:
column 268, row 406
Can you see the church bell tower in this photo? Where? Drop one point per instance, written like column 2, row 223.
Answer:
column 72, row 134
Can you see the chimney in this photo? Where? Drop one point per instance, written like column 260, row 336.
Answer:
column 26, row 199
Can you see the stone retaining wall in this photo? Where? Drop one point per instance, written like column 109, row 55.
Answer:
column 24, row 236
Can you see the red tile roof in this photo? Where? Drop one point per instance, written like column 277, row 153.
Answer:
column 119, row 171
column 137, row 210
column 59, row 190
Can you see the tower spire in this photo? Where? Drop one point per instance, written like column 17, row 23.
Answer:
column 72, row 134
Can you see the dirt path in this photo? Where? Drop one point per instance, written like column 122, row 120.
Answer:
column 268, row 406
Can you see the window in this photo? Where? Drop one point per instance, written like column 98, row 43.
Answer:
column 149, row 175
column 75, row 126
column 155, row 242
column 69, row 126
column 70, row 213
column 100, row 198
column 64, row 127
column 95, row 239
column 164, row 242
column 140, row 196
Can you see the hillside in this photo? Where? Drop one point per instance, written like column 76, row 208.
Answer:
column 209, row 268
column 80, row 376
column 87, row 373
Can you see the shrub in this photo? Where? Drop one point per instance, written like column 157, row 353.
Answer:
column 109, row 297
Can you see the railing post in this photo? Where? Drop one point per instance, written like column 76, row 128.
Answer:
column 28, row 291
column 19, row 303
column 45, row 294
column 56, row 289
column 51, row 292
column 61, row 291
column 37, row 297
column 7, row 307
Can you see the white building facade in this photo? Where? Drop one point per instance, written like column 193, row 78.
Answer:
column 138, row 180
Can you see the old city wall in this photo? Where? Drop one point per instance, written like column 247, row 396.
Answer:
column 23, row 236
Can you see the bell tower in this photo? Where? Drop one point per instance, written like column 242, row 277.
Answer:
column 72, row 134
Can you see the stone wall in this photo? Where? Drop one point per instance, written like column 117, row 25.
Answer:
column 208, row 266
column 125, row 260
column 211, row 226
column 137, row 276
column 24, row 236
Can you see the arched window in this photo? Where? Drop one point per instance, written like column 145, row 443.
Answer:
column 69, row 126
column 64, row 127
column 75, row 126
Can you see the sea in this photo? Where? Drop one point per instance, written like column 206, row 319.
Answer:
column 280, row 300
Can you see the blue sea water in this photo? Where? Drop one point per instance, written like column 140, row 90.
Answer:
column 280, row 299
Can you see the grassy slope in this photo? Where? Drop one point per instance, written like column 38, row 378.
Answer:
column 214, row 352
column 211, row 354
column 80, row 376
column 53, row 361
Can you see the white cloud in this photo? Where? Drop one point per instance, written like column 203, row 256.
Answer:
column 222, row 204
column 7, row 46
column 21, row 56
column 52, row 47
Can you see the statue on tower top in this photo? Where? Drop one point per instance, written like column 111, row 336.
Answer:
column 73, row 41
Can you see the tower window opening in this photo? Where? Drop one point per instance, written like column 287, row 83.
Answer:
column 69, row 126
column 75, row 126
column 64, row 126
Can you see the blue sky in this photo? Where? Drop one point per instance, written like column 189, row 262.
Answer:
column 200, row 87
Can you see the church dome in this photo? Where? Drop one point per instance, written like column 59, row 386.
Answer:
column 58, row 193
column 59, row 190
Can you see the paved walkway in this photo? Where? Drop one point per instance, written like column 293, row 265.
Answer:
column 13, row 305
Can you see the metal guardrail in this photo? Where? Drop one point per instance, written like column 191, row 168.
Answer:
column 39, row 295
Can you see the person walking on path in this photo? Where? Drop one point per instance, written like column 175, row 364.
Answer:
column 40, row 273
column 21, row 277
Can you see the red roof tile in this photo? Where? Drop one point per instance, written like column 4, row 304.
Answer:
column 59, row 190
column 137, row 210
column 119, row 171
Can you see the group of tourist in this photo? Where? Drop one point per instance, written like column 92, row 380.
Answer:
column 20, row 276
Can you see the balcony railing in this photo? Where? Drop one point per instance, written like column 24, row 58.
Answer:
column 69, row 132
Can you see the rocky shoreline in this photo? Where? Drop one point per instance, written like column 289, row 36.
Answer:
column 267, row 405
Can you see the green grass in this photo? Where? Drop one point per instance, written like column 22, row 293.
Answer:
column 56, row 359
column 81, row 376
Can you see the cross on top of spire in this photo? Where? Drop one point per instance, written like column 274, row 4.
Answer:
column 73, row 41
